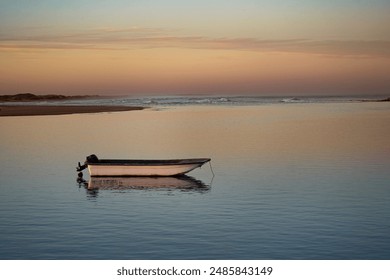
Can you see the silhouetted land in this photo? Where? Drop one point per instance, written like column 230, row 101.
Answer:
column 38, row 110
column 376, row 100
column 25, row 97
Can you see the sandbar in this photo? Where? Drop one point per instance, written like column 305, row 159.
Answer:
column 39, row 110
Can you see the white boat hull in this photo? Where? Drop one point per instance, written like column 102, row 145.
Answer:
column 136, row 170
column 137, row 167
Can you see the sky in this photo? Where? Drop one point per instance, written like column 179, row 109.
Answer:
column 172, row 47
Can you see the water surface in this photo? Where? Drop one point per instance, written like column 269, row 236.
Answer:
column 292, row 181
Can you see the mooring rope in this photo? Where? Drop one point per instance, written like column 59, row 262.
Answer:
column 211, row 168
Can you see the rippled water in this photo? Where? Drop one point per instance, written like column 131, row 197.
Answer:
column 298, row 181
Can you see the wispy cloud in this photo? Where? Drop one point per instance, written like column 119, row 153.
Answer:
column 139, row 37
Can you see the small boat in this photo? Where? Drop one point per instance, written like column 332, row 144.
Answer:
column 138, row 167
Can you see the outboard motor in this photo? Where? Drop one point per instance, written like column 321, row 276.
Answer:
column 92, row 159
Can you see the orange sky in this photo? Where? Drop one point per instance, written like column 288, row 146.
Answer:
column 237, row 49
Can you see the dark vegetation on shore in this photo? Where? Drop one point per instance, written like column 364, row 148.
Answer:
column 377, row 100
column 25, row 97
column 384, row 100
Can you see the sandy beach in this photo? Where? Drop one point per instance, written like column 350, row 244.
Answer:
column 38, row 110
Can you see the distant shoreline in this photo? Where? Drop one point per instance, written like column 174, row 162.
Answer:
column 39, row 110
column 44, row 110
column 378, row 100
column 29, row 97
column 28, row 104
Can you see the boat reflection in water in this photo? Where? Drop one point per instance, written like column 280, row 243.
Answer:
column 181, row 183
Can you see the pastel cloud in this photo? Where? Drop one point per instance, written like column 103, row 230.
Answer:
column 137, row 37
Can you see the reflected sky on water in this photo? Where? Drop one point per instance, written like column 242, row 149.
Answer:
column 297, row 181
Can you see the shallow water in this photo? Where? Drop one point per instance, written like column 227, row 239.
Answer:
column 296, row 181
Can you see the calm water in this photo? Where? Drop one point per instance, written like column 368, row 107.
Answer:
column 292, row 181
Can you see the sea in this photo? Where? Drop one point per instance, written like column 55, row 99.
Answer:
column 290, row 178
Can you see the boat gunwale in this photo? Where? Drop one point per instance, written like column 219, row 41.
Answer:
column 146, row 162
